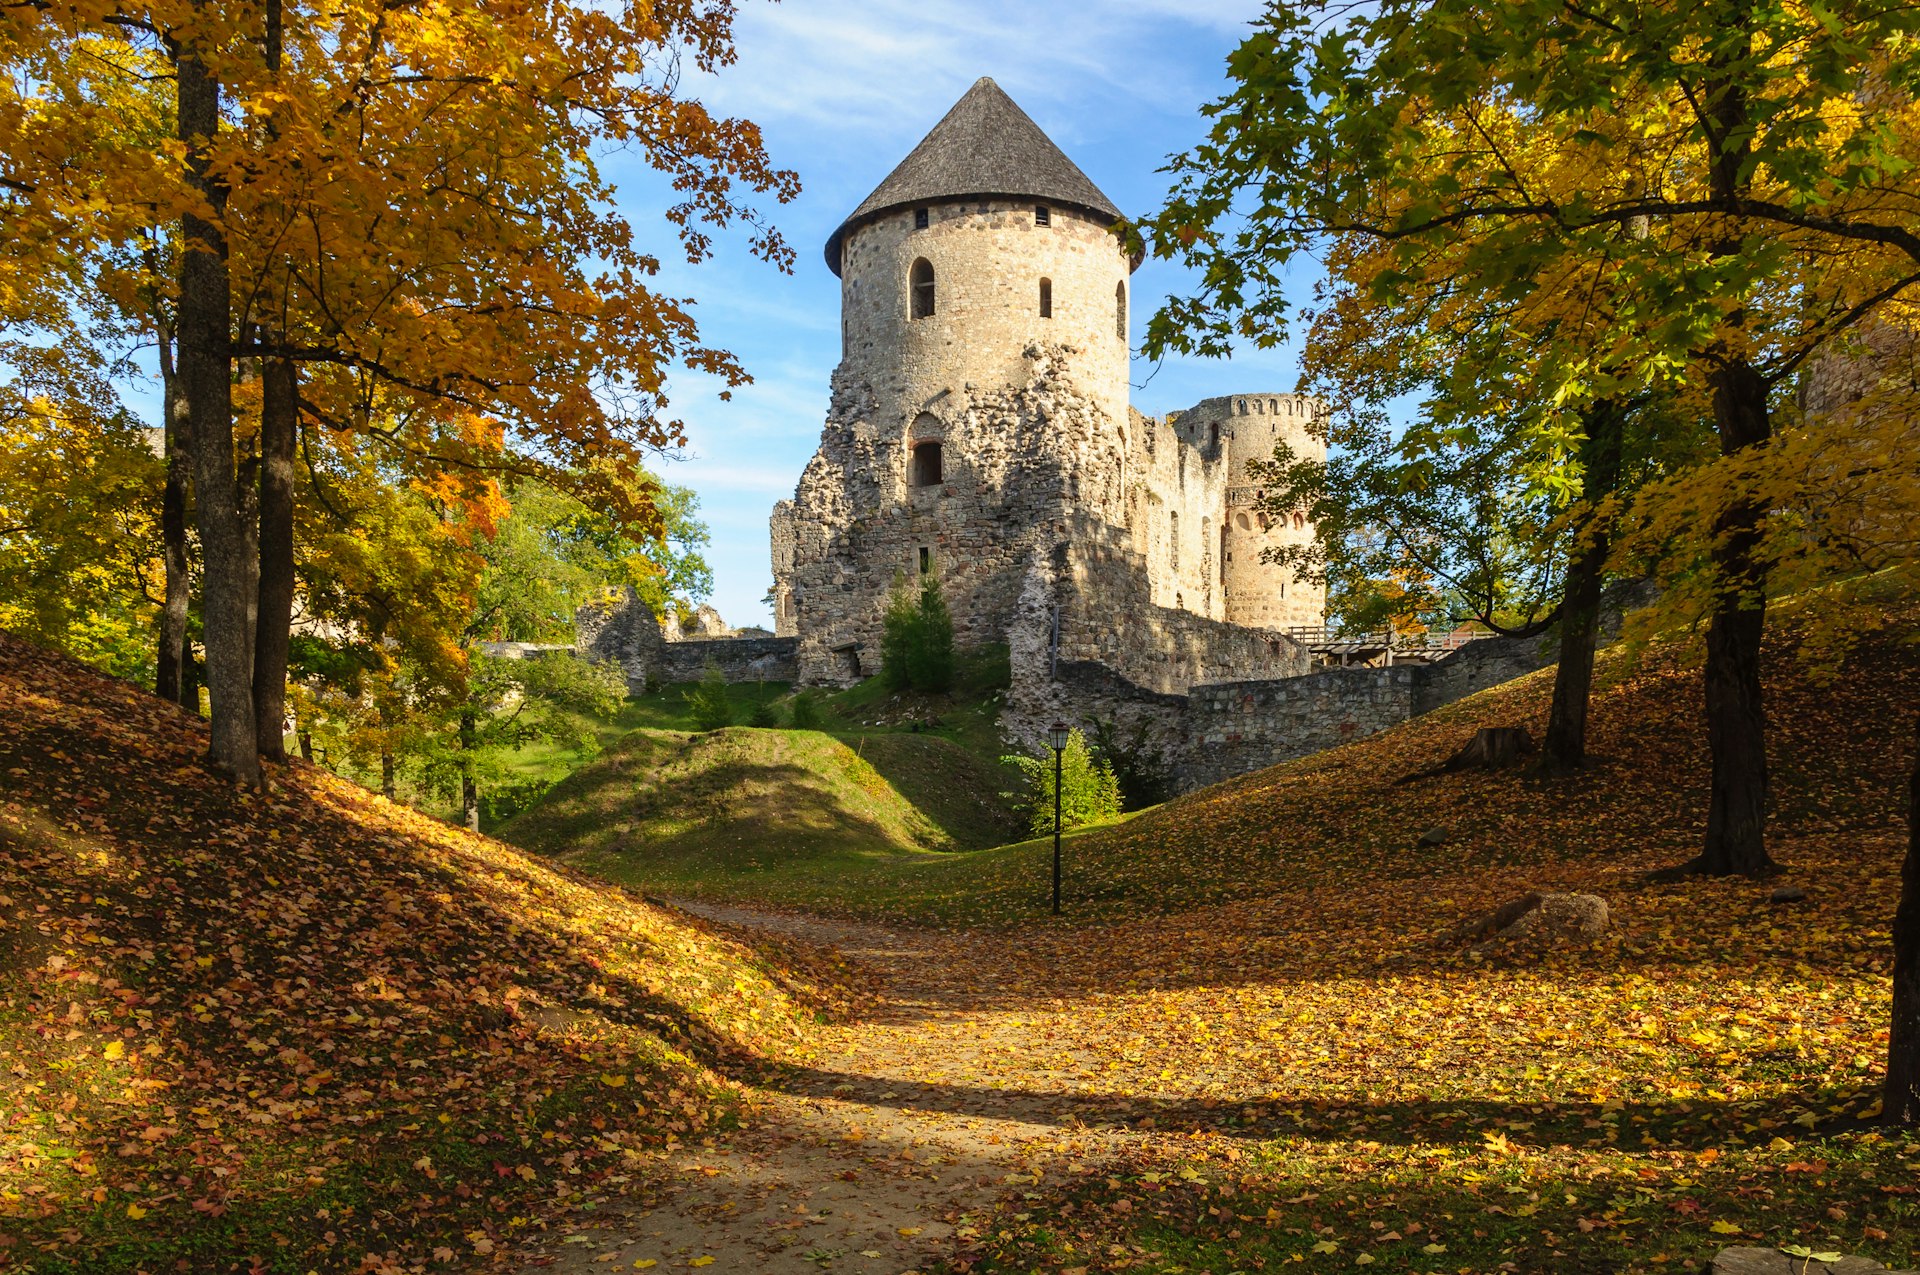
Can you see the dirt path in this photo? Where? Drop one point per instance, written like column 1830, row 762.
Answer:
column 931, row 1107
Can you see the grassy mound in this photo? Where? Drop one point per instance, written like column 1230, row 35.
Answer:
column 1839, row 744
column 678, row 811
column 307, row 1029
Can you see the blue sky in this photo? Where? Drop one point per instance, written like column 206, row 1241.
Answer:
column 843, row 89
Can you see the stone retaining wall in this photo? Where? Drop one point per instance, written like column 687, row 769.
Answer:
column 626, row 631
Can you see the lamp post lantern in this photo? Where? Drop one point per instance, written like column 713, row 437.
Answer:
column 1057, row 736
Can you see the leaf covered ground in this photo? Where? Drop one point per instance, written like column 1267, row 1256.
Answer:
column 1249, row 1052
column 316, row 1031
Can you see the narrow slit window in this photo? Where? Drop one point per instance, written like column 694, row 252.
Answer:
column 919, row 219
column 926, row 560
column 925, row 470
column 1043, row 216
column 921, row 288
column 1120, row 310
column 1046, row 298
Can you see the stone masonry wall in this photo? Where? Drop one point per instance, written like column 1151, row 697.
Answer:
column 1234, row 727
column 627, row 632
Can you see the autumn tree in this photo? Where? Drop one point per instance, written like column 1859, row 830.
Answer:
column 380, row 205
column 1759, row 156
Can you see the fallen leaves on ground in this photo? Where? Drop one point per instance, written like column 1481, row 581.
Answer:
column 310, row 1030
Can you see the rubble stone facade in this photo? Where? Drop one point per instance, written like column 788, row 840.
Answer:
column 979, row 427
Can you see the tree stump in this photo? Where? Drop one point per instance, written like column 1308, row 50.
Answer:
column 1491, row 748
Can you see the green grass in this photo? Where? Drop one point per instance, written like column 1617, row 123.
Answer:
column 783, row 811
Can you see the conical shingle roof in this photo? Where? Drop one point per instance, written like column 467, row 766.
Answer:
column 985, row 146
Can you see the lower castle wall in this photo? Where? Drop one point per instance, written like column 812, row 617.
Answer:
column 1235, row 727
column 626, row 632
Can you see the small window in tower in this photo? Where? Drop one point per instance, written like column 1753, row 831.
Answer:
column 921, row 286
column 1299, row 522
column 1120, row 310
column 919, row 219
column 926, row 560
column 1043, row 216
column 1046, row 298
column 1213, row 436
column 925, row 470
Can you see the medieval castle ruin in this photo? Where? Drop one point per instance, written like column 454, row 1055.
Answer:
column 980, row 429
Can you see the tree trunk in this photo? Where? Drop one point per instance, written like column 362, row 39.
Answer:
column 469, row 790
column 1736, row 712
column 1736, row 715
column 172, row 681
column 1902, row 1098
column 306, row 744
column 386, row 776
column 1564, row 749
column 205, row 335
column 279, row 421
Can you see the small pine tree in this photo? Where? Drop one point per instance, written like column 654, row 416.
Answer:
column 806, row 711
column 930, row 659
column 916, row 638
column 1088, row 790
column 897, row 637
column 708, row 702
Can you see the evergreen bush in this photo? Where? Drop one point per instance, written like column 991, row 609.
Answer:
column 1088, row 790
column 806, row 711
column 916, row 638
column 708, row 702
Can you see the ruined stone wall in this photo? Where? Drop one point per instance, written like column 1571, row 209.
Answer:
column 1235, row 727
column 780, row 535
column 1177, row 494
column 1016, row 458
column 1085, row 642
column 627, row 632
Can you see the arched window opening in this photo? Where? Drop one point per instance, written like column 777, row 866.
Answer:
column 1043, row 216
column 925, row 468
column 1299, row 522
column 920, row 283
column 1120, row 310
column 1213, row 436
column 1046, row 298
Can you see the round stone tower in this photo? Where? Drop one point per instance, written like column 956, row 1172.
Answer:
column 1245, row 427
column 985, row 243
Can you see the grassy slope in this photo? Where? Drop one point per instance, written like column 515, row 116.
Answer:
column 1837, row 746
column 308, row 1026
column 682, row 812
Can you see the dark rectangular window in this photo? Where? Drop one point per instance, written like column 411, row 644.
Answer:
column 1043, row 216
column 919, row 219
column 925, row 470
column 1046, row 298
column 926, row 560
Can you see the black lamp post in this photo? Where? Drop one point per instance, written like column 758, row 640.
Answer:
column 1057, row 736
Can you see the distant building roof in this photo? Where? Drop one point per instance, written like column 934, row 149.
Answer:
column 985, row 146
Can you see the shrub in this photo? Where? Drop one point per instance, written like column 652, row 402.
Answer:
column 916, row 638
column 1139, row 767
column 1088, row 790
column 708, row 702
column 806, row 711
column 762, row 714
